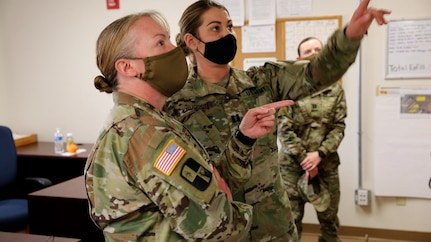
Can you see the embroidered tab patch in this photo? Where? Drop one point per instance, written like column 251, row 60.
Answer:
column 196, row 174
column 169, row 158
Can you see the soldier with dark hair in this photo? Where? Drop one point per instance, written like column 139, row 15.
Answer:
column 216, row 96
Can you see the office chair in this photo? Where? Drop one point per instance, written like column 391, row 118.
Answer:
column 13, row 193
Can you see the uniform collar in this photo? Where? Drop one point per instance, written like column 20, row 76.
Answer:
column 121, row 98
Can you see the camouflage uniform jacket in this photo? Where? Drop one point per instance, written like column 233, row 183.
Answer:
column 313, row 123
column 148, row 179
column 212, row 112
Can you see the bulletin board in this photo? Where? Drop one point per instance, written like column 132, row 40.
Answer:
column 288, row 33
column 408, row 52
column 402, row 136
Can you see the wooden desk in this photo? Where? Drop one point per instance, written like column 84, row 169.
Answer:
column 39, row 160
column 18, row 237
column 62, row 210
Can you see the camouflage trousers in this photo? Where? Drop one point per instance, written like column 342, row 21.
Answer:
column 329, row 221
column 288, row 237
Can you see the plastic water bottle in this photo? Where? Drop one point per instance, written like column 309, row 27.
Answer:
column 58, row 141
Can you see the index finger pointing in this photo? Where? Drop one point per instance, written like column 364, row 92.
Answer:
column 278, row 104
column 362, row 8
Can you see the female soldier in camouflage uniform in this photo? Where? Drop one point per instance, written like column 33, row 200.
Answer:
column 147, row 178
column 216, row 96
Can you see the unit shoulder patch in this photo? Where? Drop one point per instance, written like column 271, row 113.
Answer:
column 197, row 175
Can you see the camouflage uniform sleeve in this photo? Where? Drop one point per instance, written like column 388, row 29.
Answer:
column 158, row 185
column 296, row 79
column 290, row 143
column 186, row 192
column 335, row 136
column 334, row 59
column 234, row 163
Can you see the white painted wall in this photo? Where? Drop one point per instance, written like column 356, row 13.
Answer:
column 3, row 83
column 47, row 66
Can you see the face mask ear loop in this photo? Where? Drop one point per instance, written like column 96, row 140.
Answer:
column 197, row 49
column 140, row 76
column 199, row 39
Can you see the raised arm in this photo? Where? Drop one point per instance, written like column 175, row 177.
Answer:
column 362, row 19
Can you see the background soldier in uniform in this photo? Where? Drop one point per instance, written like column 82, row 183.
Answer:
column 309, row 133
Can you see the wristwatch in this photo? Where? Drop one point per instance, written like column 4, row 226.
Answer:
column 243, row 138
column 321, row 154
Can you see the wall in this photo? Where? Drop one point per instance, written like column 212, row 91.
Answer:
column 47, row 66
column 3, row 82
column 414, row 215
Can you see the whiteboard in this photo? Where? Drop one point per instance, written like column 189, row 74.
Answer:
column 402, row 152
column 408, row 50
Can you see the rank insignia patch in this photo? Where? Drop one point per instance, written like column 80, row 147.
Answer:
column 197, row 175
column 169, row 158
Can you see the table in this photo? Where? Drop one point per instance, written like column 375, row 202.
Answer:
column 62, row 210
column 20, row 237
column 39, row 160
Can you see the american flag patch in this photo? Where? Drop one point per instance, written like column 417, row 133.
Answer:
column 169, row 158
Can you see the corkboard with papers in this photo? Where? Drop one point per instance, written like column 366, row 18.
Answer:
column 280, row 41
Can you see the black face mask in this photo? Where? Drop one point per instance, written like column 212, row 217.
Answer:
column 220, row 51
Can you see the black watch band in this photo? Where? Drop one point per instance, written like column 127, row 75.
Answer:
column 321, row 154
column 244, row 139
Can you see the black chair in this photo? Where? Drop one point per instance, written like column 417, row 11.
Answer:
column 13, row 192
